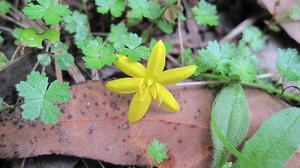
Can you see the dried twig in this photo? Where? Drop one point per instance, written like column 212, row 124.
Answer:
column 180, row 37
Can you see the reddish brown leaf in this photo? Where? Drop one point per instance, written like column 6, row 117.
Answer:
column 94, row 125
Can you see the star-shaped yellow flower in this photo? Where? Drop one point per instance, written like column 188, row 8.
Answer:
column 148, row 82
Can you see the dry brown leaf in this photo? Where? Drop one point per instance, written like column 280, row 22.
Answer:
column 279, row 8
column 94, row 125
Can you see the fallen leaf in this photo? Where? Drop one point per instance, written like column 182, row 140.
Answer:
column 94, row 125
column 279, row 8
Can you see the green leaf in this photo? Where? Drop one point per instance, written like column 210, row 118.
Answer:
column 4, row 7
column 98, row 55
column 141, row 52
column 116, row 7
column 276, row 140
column 40, row 97
column 232, row 118
column 217, row 57
column 165, row 26
column 1, row 102
column 254, row 38
column 295, row 12
column 76, row 22
column 157, row 151
column 227, row 165
column 64, row 60
column 244, row 68
column 206, row 14
column 52, row 14
column 31, row 38
column 44, row 59
column 131, row 40
column 116, row 31
column 145, row 8
column 3, row 60
column 288, row 63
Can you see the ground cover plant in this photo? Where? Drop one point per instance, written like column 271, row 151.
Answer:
column 62, row 61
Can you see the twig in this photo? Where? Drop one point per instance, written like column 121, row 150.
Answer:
column 6, row 29
column 15, row 53
column 76, row 74
column 84, row 163
column 99, row 34
column 238, row 29
column 198, row 83
column 13, row 20
column 180, row 37
column 23, row 163
column 95, row 74
column 35, row 66
column 173, row 60
column 102, row 166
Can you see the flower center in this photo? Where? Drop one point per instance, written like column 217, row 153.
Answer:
column 148, row 84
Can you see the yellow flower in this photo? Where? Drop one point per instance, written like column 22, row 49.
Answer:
column 148, row 82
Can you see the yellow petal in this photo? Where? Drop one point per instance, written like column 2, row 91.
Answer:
column 175, row 75
column 157, row 59
column 125, row 85
column 129, row 67
column 166, row 99
column 139, row 105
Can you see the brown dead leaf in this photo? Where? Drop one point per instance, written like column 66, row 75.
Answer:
column 94, row 125
column 280, row 8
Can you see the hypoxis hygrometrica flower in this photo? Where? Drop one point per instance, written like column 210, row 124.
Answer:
column 148, row 82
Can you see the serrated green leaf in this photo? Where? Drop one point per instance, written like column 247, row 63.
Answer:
column 59, row 47
column 98, row 55
column 76, row 23
column 144, row 8
column 64, row 60
column 232, row 118
column 44, row 59
column 244, row 68
column 141, row 52
column 276, row 140
column 39, row 97
column 3, row 60
column 116, row 32
column 131, row 40
column 116, row 7
column 157, row 151
column 217, row 57
column 4, row 7
column 165, row 26
column 206, row 14
column 254, row 38
column 52, row 14
column 288, row 63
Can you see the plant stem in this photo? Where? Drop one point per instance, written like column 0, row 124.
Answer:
column 224, row 79
column 273, row 90
column 152, row 163
column 15, row 53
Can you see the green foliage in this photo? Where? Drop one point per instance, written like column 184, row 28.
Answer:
column 288, row 63
column 232, row 117
column 165, row 26
column 3, row 60
column 116, row 33
column 276, row 140
column 205, row 14
column 294, row 13
column 61, row 55
column 144, row 8
column 44, row 59
column 47, row 10
column 167, row 45
column 131, row 40
column 253, row 37
column 4, row 7
column 116, row 7
column 1, row 102
column 98, row 54
column 157, row 150
column 227, row 165
column 31, row 38
column 227, row 59
column 1, row 38
column 40, row 97
column 76, row 22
